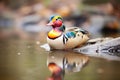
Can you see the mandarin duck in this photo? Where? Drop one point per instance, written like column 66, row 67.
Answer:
column 61, row 37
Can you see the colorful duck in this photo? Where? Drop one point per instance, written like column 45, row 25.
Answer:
column 61, row 37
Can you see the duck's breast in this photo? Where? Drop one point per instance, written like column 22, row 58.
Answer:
column 56, row 43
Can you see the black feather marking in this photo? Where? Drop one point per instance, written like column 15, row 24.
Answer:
column 83, row 31
column 65, row 39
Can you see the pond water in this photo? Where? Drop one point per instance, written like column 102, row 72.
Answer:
column 23, row 59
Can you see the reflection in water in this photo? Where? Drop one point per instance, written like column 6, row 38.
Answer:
column 57, row 72
column 61, row 62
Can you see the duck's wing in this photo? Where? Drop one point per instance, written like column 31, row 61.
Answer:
column 76, row 29
column 72, row 33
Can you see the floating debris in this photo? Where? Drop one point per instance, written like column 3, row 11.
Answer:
column 37, row 42
column 100, row 70
column 46, row 47
column 28, row 46
column 52, row 57
column 19, row 53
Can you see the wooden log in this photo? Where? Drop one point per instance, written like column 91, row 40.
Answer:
column 102, row 47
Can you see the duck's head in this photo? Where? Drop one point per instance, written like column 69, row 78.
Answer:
column 55, row 21
column 54, row 68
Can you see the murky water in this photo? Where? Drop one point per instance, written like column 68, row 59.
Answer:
column 23, row 59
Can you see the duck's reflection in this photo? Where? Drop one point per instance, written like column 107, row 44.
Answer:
column 57, row 72
column 61, row 62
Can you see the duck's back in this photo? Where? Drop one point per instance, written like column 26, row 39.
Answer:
column 75, row 37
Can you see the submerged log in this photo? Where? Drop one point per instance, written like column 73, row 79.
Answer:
column 102, row 47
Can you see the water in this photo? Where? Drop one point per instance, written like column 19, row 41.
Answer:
column 23, row 59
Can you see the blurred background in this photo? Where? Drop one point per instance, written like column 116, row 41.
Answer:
column 23, row 29
column 22, row 17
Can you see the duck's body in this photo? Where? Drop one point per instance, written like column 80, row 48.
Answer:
column 66, row 38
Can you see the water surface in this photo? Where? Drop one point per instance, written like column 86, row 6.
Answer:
column 23, row 59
